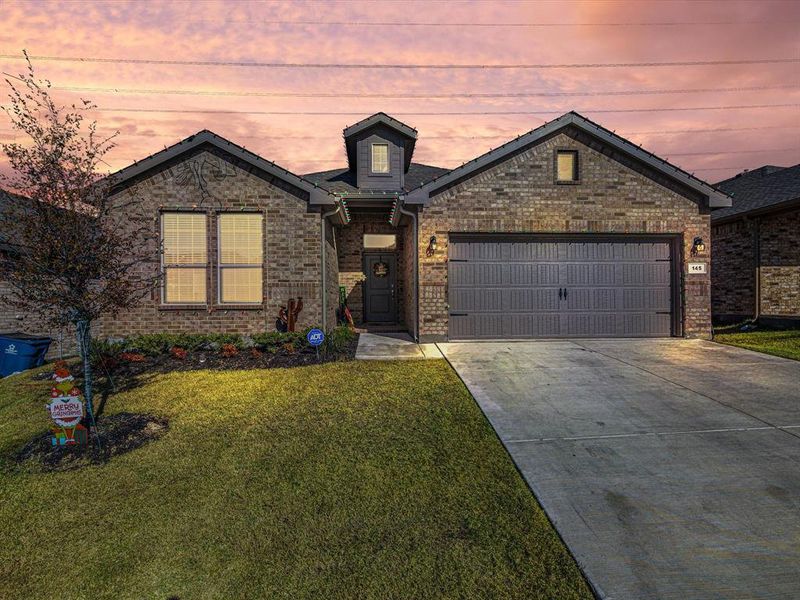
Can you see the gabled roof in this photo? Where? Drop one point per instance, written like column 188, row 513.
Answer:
column 316, row 194
column 409, row 135
column 760, row 190
column 716, row 198
column 343, row 181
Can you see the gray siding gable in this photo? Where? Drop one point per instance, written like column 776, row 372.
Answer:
column 365, row 178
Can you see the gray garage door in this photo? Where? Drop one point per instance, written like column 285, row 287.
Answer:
column 529, row 287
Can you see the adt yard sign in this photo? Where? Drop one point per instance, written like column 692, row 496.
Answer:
column 315, row 337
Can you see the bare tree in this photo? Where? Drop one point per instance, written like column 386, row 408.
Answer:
column 75, row 251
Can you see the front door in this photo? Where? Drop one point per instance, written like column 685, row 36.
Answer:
column 379, row 288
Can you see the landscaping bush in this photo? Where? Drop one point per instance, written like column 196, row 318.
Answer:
column 157, row 344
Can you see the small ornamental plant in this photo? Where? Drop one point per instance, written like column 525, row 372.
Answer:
column 289, row 347
column 229, row 350
column 255, row 353
column 179, row 353
column 132, row 357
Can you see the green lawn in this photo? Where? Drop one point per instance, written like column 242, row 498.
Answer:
column 779, row 343
column 344, row 480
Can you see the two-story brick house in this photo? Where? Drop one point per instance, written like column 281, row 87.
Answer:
column 568, row 230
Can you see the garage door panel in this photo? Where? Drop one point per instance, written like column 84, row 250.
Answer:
column 476, row 300
column 649, row 299
column 533, row 274
column 547, row 288
column 654, row 273
column 536, row 299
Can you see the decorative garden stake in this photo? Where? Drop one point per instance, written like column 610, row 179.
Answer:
column 66, row 409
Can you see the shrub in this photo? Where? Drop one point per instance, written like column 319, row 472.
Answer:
column 132, row 357
column 229, row 350
column 178, row 352
column 337, row 339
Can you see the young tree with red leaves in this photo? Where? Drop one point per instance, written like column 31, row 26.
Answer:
column 69, row 258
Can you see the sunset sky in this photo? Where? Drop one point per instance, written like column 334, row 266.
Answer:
column 154, row 105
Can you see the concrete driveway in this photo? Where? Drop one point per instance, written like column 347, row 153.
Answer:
column 671, row 468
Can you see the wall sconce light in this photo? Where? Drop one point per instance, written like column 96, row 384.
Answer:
column 698, row 246
column 431, row 246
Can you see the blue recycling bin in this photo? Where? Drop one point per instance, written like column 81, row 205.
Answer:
column 21, row 351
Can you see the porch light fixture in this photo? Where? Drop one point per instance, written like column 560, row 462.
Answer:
column 698, row 246
column 431, row 246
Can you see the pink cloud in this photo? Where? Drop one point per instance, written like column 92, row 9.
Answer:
column 243, row 31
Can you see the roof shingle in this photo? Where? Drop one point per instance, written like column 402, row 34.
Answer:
column 759, row 189
column 343, row 181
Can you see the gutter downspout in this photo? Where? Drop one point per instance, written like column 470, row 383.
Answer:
column 325, row 215
column 413, row 216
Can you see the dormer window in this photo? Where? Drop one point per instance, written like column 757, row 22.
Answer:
column 380, row 158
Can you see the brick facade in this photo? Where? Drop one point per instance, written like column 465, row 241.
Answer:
column 520, row 195
column 292, row 247
column 733, row 281
column 775, row 238
column 13, row 320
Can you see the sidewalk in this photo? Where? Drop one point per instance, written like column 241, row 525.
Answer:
column 393, row 346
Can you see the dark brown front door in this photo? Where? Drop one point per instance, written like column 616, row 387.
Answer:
column 379, row 288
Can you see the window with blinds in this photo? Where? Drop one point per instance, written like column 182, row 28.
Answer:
column 380, row 158
column 185, row 258
column 241, row 258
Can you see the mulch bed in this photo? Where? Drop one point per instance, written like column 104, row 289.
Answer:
column 119, row 433
column 244, row 359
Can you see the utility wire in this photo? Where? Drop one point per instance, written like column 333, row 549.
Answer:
column 434, row 113
column 485, row 25
column 278, row 65
column 116, row 90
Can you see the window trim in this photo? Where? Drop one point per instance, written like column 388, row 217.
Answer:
column 220, row 266
column 576, row 170
column 164, row 302
column 372, row 170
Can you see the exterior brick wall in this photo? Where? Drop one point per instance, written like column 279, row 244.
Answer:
column 351, row 262
column 734, row 267
column 13, row 320
column 520, row 195
column 331, row 275
column 407, row 263
column 733, row 282
column 291, row 249
column 780, row 264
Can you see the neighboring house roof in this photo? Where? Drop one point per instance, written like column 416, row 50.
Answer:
column 343, row 181
column 716, row 198
column 7, row 198
column 317, row 195
column 761, row 190
column 409, row 135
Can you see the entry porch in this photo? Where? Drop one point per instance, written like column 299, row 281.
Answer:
column 376, row 270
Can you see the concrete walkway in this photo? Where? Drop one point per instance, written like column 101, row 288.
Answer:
column 671, row 468
column 393, row 346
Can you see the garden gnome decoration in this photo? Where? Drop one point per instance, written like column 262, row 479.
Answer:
column 66, row 409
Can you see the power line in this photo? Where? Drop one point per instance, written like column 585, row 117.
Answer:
column 277, row 65
column 754, row 88
column 506, row 135
column 286, row 113
column 486, row 25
